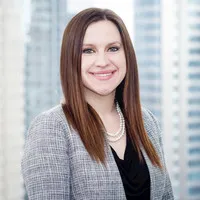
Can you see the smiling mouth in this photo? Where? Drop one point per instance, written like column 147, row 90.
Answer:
column 103, row 75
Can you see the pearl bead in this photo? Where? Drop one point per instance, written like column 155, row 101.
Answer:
column 113, row 137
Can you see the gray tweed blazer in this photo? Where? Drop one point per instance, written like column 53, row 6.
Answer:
column 56, row 166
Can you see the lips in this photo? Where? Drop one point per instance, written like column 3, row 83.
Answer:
column 103, row 72
column 103, row 75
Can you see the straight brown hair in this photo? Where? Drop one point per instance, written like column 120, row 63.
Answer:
column 80, row 115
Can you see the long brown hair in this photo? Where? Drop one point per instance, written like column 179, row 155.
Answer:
column 80, row 115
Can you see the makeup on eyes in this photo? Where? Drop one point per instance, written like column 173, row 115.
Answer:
column 91, row 48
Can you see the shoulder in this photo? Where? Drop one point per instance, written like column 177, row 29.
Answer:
column 149, row 118
column 52, row 121
column 151, row 123
column 55, row 113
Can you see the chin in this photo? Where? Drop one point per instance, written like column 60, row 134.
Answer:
column 100, row 92
column 105, row 92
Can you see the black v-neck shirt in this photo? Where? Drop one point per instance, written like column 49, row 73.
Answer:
column 134, row 174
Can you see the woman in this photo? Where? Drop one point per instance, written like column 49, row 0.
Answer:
column 99, row 143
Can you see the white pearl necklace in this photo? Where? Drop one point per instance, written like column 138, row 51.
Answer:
column 113, row 137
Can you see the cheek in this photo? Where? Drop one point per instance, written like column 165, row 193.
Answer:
column 123, row 64
column 122, row 67
column 86, row 62
column 119, row 62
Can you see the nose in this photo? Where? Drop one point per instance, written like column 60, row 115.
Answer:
column 101, row 60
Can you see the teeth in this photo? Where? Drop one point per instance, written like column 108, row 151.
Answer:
column 103, row 74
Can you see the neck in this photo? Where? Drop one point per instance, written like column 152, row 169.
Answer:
column 103, row 105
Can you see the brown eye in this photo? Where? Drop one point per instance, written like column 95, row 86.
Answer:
column 113, row 49
column 88, row 51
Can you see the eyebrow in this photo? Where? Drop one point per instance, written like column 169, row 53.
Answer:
column 111, row 43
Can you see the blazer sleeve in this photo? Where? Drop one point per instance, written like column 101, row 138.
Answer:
column 45, row 166
column 168, row 192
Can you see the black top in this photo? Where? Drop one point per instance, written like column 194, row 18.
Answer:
column 134, row 174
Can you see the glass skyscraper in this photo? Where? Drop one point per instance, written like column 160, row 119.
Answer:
column 167, row 42
column 191, row 26
column 42, row 84
column 147, row 45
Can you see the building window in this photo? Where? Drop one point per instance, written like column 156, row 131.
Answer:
column 194, row 1
column 150, row 88
column 194, row 76
column 148, row 38
column 194, row 190
column 148, row 14
column 194, row 125
column 148, row 27
column 195, row 51
column 194, row 163
column 149, row 52
column 194, row 14
column 151, row 76
column 195, row 39
column 194, row 113
column 193, row 151
column 195, row 26
column 193, row 101
column 194, row 138
column 194, row 89
column 149, row 63
column 149, row 2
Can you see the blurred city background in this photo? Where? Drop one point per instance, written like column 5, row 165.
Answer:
column 166, row 37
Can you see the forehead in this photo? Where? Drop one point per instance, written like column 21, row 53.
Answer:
column 101, row 32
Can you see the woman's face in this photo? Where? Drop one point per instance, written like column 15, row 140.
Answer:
column 103, row 64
